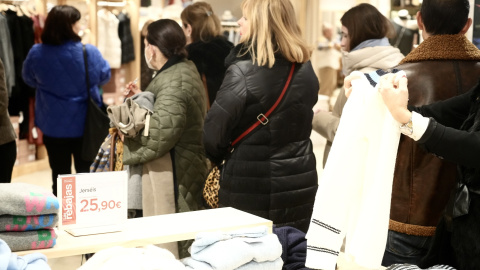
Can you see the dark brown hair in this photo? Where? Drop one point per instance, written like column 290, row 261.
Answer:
column 365, row 22
column 168, row 37
column 59, row 25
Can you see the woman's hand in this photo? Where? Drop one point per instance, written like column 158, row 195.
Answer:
column 347, row 82
column 131, row 89
column 394, row 91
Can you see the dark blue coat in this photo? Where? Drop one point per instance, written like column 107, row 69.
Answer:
column 58, row 74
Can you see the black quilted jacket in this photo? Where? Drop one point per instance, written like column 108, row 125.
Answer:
column 271, row 172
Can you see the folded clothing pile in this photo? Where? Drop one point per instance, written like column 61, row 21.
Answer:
column 28, row 214
column 251, row 248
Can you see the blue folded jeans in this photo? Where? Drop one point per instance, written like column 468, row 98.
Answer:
column 403, row 248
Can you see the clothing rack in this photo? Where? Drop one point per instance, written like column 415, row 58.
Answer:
column 231, row 31
column 111, row 4
column 229, row 24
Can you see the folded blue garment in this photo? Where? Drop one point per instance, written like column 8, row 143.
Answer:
column 229, row 251
column 10, row 261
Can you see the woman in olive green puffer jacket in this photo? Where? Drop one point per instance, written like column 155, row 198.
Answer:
column 176, row 124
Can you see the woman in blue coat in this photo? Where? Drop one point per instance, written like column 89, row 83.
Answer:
column 56, row 69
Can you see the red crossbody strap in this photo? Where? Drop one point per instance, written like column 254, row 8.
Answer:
column 263, row 118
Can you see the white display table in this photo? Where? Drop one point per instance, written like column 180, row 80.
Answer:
column 154, row 230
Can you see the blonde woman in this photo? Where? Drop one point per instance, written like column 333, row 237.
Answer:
column 206, row 46
column 271, row 172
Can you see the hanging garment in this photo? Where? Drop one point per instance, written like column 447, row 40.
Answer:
column 354, row 193
column 109, row 43
column 6, row 54
column 35, row 135
column 22, row 38
column 126, row 38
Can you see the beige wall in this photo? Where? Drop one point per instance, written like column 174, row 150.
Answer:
column 219, row 6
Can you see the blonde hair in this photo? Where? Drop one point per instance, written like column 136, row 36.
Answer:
column 273, row 28
column 205, row 24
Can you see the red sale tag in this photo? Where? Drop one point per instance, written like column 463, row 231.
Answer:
column 68, row 200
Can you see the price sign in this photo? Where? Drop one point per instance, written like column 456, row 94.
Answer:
column 93, row 202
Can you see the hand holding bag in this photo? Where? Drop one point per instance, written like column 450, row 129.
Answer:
column 212, row 183
column 97, row 122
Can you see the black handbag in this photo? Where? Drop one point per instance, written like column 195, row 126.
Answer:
column 97, row 122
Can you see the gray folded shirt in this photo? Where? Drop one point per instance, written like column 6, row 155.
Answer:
column 22, row 199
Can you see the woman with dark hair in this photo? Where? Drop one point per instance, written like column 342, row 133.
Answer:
column 365, row 48
column 56, row 69
column 175, row 126
column 206, row 45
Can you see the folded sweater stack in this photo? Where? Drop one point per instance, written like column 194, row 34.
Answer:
column 28, row 214
column 252, row 248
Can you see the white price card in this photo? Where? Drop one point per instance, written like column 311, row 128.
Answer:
column 93, row 203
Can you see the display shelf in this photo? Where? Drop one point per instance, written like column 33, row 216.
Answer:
column 139, row 232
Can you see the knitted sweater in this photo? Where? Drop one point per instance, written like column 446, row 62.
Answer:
column 353, row 197
column 26, row 200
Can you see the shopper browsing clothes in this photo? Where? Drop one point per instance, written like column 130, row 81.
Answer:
column 206, row 46
column 272, row 171
column 56, row 69
column 435, row 72
column 365, row 48
column 175, row 125
column 450, row 130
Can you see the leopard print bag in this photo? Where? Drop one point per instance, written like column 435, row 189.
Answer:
column 212, row 185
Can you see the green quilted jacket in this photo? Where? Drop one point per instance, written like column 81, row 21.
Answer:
column 177, row 123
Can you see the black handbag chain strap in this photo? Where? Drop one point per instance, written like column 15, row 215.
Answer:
column 85, row 61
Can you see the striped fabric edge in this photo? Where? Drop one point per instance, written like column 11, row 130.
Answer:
column 326, row 226
column 374, row 76
column 323, row 250
column 414, row 267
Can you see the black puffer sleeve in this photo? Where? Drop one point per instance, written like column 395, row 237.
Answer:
column 225, row 114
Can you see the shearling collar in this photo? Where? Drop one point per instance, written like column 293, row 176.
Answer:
column 444, row 47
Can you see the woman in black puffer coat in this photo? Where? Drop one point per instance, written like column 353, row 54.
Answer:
column 272, row 171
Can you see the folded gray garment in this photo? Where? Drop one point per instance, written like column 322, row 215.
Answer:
column 29, row 240
column 9, row 223
column 144, row 100
column 22, row 199
column 130, row 117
